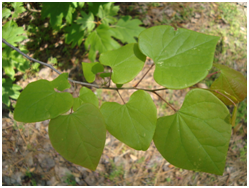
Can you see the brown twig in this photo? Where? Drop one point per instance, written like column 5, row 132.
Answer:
column 164, row 101
column 46, row 64
column 120, row 96
column 211, row 74
column 144, row 75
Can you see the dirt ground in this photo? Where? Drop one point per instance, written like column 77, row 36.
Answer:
column 29, row 159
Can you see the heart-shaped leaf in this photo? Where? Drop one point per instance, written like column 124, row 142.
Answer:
column 182, row 57
column 133, row 123
column 126, row 62
column 79, row 137
column 126, row 29
column 230, row 83
column 197, row 136
column 86, row 96
column 39, row 101
column 91, row 69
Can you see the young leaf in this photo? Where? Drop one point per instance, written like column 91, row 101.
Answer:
column 197, row 136
column 133, row 123
column 12, row 33
column 9, row 90
column 182, row 57
column 107, row 12
column 57, row 11
column 86, row 96
column 94, row 6
column 80, row 4
column 91, row 69
column 74, row 34
column 126, row 62
column 18, row 60
column 231, row 83
column 79, row 137
column 86, row 22
column 39, row 101
column 61, row 83
column 100, row 40
column 126, row 29
column 18, row 7
column 7, row 63
column 6, row 13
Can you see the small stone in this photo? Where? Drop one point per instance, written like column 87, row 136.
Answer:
column 8, row 180
column 18, row 177
column 47, row 146
column 48, row 163
column 90, row 180
column 45, row 123
column 38, row 125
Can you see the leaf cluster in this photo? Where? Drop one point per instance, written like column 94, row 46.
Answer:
column 12, row 61
column 195, row 137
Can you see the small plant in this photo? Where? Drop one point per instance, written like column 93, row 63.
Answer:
column 70, row 180
column 116, row 173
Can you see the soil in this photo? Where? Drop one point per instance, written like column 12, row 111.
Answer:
column 29, row 159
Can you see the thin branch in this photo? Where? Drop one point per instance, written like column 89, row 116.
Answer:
column 120, row 96
column 165, row 101
column 144, row 75
column 45, row 64
column 211, row 74
column 74, row 81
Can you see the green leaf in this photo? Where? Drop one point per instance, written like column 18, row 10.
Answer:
column 86, row 22
column 9, row 90
column 133, row 123
column 126, row 29
column 11, row 59
column 182, row 57
column 86, row 96
column 94, row 6
column 100, row 40
column 39, row 101
column 107, row 12
column 74, row 34
column 56, row 12
column 79, row 137
column 18, row 7
column 126, row 62
column 7, row 63
column 119, row 85
column 231, row 83
column 91, row 69
column 12, row 33
column 6, row 13
column 19, row 61
column 81, row 4
column 197, row 136
column 61, row 83
column 105, row 74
